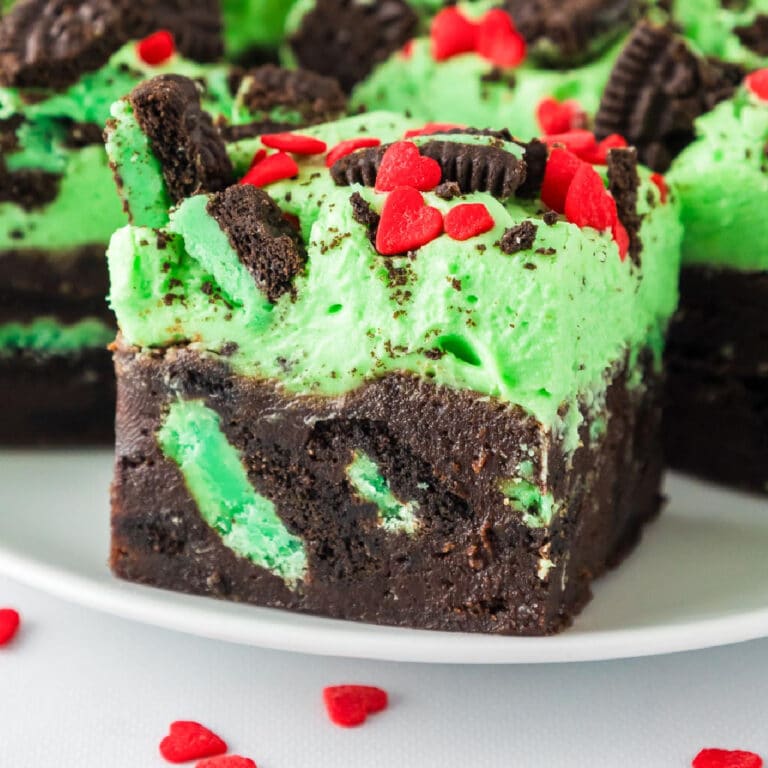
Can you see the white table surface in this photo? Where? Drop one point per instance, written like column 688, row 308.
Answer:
column 79, row 689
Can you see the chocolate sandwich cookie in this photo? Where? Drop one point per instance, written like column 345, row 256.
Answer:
column 657, row 89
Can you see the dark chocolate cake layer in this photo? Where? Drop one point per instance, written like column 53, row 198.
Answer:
column 717, row 382
column 79, row 410
column 473, row 564
column 68, row 286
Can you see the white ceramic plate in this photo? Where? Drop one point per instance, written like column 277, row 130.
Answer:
column 699, row 578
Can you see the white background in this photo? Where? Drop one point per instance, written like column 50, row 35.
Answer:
column 79, row 689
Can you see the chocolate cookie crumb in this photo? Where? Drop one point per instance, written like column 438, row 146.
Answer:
column 518, row 238
column 316, row 98
column 347, row 38
column 363, row 213
column 448, row 190
column 755, row 35
column 265, row 242
column 183, row 138
column 623, row 183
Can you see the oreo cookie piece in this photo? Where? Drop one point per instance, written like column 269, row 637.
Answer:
column 50, row 43
column 473, row 168
column 755, row 35
column 345, row 39
column 623, row 183
column 657, row 88
column 316, row 98
column 563, row 33
column 476, row 168
column 359, row 167
column 269, row 247
column 182, row 136
column 535, row 158
column 196, row 25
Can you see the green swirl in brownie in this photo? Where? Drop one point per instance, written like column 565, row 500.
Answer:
column 734, row 31
column 722, row 182
column 539, row 324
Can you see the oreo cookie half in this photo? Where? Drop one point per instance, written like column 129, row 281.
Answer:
column 473, row 168
column 657, row 88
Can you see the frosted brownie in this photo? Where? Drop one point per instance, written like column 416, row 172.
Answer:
column 58, row 205
column 410, row 381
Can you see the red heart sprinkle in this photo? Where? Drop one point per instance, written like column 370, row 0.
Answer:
column 599, row 155
column 188, row 740
column 227, row 761
column 294, row 142
column 431, row 128
column 272, row 168
column 452, row 33
column 347, row 147
column 558, row 175
column 407, row 50
column 559, row 116
column 403, row 166
column 468, row 220
column 349, row 705
column 499, row 41
column 757, row 83
column 661, row 183
column 579, row 142
column 9, row 624
column 406, row 222
column 156, row 48
column 258, row 157
column 723, row 758
column 620, row 235
column 588, row 203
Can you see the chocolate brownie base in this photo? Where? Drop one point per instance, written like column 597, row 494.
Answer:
column 473, row 565
column 716, row 419
column 57, row 399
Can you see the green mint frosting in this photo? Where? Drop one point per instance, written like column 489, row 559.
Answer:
column 465, row 89
column 247, row 522
column 46, row 334
column 366, row 478
column 722, row 182
column 712, row 25
column 542, row 328
column 253, row 24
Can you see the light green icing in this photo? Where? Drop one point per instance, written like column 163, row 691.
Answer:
column 712, row 27
column 89, row 99
column 247, row 522
column 205, row 242
column 537, row 508
column 86, row 209
column 722, row 182
column 46, row 334
column 366, row 478
column 456, row 91
column 541, row 338
column 253, row 23
column 141, row 173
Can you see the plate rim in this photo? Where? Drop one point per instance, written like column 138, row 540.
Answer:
column 288, row 631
